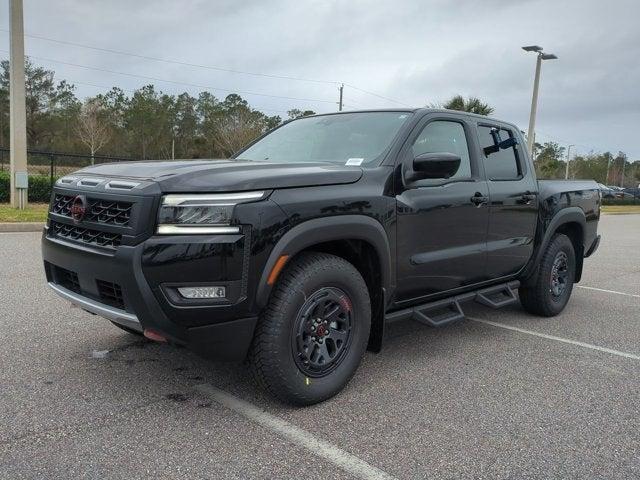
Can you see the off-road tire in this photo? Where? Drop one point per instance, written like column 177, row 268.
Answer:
column 537, row 295
column 273, row 358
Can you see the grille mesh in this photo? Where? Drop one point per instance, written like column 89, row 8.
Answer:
column 103, row 211
column 85, row 235
column 108, row 212
column 110, row 293
column 67, row 279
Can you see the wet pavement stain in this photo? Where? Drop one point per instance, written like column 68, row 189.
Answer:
column 176, row 397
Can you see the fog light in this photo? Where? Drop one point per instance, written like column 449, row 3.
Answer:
column 203, row 292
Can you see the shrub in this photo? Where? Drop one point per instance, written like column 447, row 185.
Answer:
column 39, row 188
column 621, row 201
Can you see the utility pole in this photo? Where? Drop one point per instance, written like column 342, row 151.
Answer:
column 566, row 172
column 534, row 99
column 340, row 102
column 17, row 109
column 624, row 164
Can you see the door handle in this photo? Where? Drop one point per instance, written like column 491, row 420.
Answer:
column 528, row 197
column 479, row 199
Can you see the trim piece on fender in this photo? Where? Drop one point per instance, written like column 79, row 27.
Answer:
column 110, row 313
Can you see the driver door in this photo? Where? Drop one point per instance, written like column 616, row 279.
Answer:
column 441, row 223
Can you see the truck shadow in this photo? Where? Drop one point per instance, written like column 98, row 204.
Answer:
column 177, row 371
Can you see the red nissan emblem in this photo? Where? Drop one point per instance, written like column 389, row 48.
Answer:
column 78, row 208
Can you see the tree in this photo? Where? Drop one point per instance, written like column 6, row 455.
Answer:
column 238, row 128
column 185, row 125
column 49, row 106
column 148, row 121
column 472, row 105
column 549, row 161
column 93, row 127
column 296, row 113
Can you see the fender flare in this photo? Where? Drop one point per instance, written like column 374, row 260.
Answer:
column 325, row 229
column 564, row 216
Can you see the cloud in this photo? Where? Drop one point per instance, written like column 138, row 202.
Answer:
column 415, row 51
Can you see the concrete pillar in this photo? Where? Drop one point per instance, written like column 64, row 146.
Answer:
column 17, row 108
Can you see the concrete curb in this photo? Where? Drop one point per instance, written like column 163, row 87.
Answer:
column 21, row 227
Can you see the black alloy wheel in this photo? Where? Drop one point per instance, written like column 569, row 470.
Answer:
column 559, row 274
column 322, row 332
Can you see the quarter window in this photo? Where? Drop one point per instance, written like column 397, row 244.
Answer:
column 443, row 136
column 503, row 164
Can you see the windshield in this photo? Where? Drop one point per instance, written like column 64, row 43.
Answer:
column 347, row 139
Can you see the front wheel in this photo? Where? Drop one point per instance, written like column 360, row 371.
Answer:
column 314, row 332
column 548, row 292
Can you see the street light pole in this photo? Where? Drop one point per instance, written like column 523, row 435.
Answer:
column 566, row 172
column 534, row 99
column 17, row 108
column 534, row 107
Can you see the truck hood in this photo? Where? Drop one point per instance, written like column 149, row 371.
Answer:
column 227, row 175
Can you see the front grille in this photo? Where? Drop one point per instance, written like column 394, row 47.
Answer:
column 110, row 293
column 85, row 235
column 103, row 211
column 108, row 212
column 62, row 204
column 67, row 279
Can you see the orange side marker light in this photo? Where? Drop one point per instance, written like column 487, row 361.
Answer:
column 277, row 268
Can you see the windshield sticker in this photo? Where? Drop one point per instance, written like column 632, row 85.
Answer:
column 356, row 162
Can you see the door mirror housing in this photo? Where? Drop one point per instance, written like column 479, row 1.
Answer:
column 435, row 165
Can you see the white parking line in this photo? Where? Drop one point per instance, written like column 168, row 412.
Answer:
column 340, row 458
column 608, row 291
column 559, row 339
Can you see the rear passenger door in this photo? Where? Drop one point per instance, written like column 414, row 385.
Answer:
column 513, row 205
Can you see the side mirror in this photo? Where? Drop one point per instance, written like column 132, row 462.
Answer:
column 435, row 165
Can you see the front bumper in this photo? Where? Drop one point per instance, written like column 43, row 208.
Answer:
column 143, row 277
column 113, row 314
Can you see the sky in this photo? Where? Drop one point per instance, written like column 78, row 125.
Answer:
column 407, row 52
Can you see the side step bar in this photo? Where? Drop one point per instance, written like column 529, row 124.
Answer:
column 443, row 312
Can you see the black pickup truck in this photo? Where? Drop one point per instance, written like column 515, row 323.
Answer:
column 295, row 253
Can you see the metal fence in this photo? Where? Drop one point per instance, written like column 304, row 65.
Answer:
column 56, row 164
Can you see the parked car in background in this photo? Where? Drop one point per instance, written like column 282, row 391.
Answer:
column 606, row 192
column 618, row 192
column 632, row 193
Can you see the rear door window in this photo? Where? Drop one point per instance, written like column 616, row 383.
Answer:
column 503, row 164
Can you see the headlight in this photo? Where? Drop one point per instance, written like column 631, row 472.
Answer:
column 204, row 213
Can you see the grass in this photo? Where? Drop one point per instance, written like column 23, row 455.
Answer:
column 35, row 212
column 620, row 209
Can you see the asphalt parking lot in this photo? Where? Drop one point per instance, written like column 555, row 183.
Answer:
column 523, row 397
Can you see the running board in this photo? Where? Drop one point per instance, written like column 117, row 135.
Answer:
column 449, row 310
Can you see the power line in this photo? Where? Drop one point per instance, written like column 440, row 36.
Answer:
column 377, row 95
column 195, row 85
column 209, row 67
column 176, row 62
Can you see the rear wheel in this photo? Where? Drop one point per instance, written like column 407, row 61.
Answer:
column 314, row 332
column 548, row 292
